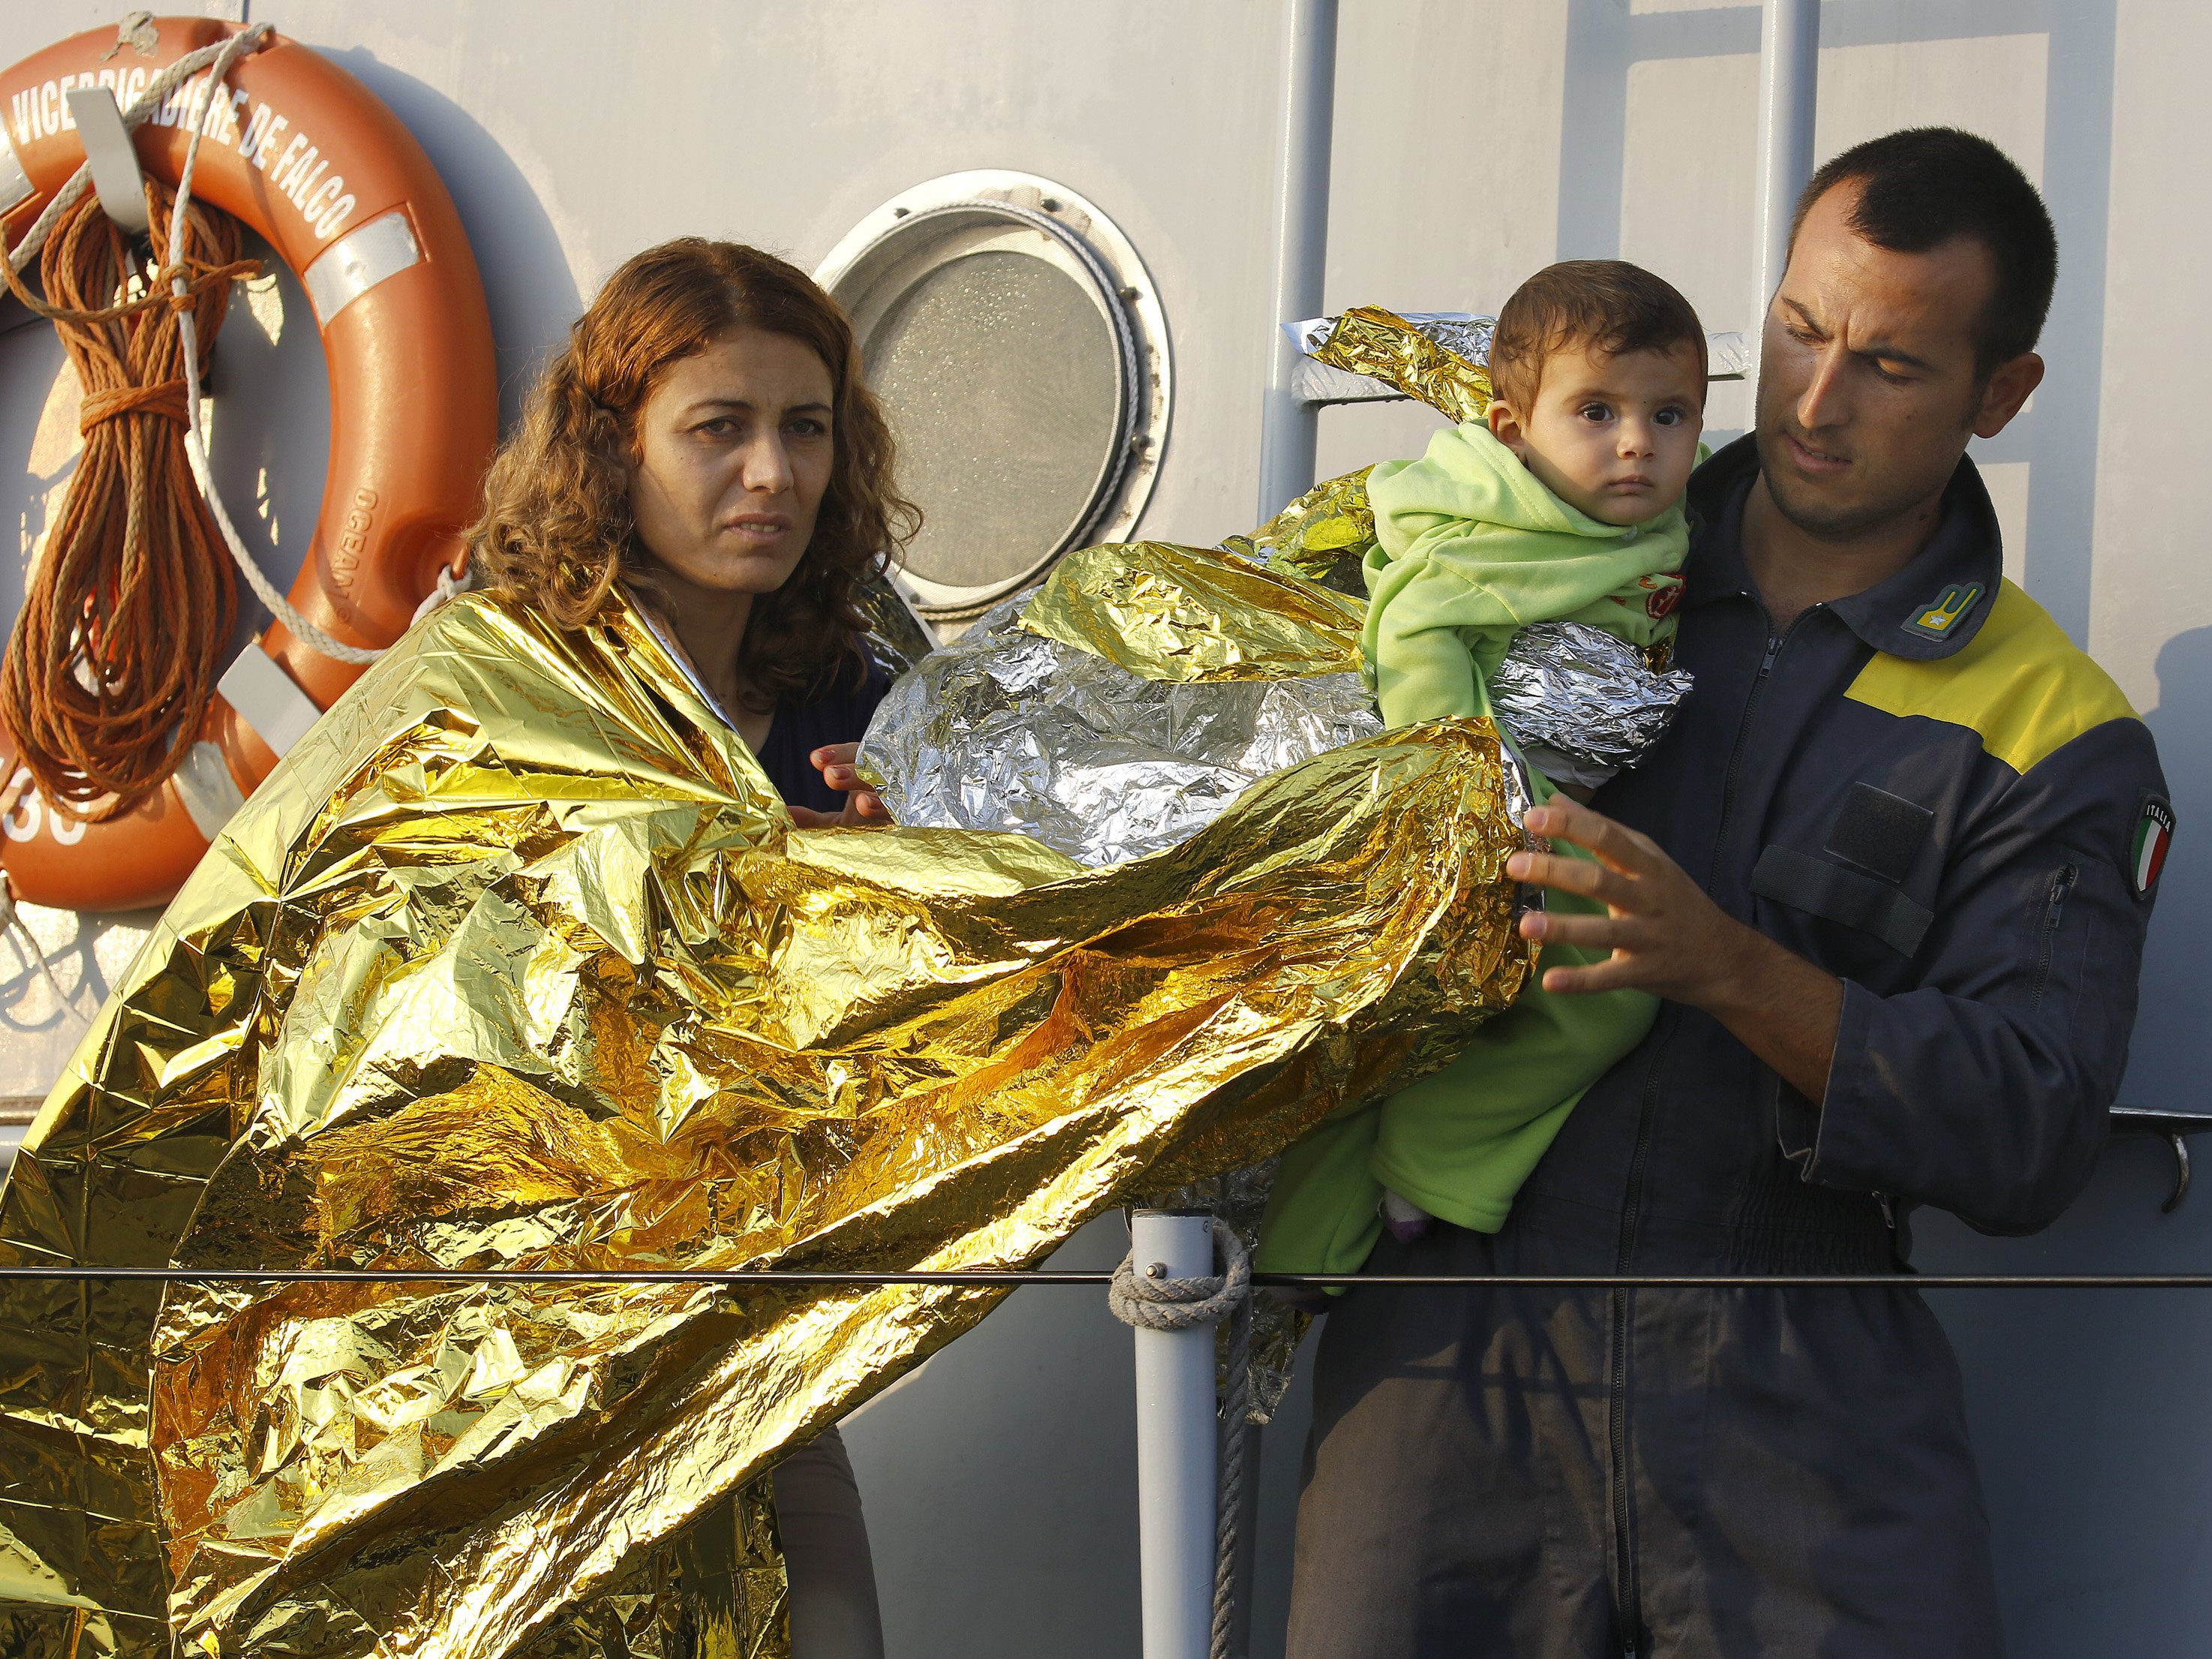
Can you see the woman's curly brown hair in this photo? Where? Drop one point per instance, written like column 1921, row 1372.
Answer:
column 557, row 533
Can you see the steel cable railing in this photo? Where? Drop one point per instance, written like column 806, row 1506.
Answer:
column 1012, row 1279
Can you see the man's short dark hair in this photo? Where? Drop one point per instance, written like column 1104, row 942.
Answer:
column 1923, row 186
column 1605, row 304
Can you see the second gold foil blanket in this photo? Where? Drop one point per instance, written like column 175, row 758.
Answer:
column 515, row 963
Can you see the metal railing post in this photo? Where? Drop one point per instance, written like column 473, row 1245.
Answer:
column 1789, row 85
column 1175, row 1445
column 1288, row 427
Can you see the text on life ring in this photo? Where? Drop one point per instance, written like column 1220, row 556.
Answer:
column 299, row 171
column 30, row 815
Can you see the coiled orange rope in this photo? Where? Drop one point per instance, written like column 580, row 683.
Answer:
column 115, row 655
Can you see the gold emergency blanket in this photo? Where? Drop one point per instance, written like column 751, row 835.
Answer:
column 1322, row 535
column 1368, row 340
column 1169, row 612
column 514, row 962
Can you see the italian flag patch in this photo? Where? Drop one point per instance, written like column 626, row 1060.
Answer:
column 2153, row 834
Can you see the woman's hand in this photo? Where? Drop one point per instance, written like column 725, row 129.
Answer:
column 863, row 809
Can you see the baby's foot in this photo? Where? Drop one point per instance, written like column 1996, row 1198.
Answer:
column 1405, row 1219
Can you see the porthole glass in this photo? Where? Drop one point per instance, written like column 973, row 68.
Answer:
column 1018, row 349
column 998, row 375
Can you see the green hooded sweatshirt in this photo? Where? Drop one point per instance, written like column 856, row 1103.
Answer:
column 1472, row 548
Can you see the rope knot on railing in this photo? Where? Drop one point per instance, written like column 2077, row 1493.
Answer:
column 1149, row 1299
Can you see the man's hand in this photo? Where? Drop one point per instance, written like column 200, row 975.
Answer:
column 863, row 809
column 1667, row 937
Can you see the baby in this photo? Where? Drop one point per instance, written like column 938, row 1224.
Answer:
column 1565, row 507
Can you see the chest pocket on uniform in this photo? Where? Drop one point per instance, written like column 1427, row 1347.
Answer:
column 1871, row 850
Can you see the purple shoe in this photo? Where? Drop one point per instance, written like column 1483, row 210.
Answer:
column 1406, row 1220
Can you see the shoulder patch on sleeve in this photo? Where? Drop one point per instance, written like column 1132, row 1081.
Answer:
column 2019, row 684
column 2153, row 835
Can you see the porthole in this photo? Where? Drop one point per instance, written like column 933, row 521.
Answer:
column 1018, row 348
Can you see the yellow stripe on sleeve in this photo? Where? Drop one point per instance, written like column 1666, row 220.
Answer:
column 2020, row 683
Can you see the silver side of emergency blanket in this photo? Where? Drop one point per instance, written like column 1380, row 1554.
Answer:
column 1582, row 703
column 1004, row 729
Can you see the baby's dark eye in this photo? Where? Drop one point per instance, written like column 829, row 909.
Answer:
column 1668, row 418
column 1595, row 412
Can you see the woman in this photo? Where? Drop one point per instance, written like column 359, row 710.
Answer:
column 705, row 441
column 510, row 966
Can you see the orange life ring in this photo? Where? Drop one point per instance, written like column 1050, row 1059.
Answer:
column 302, row 153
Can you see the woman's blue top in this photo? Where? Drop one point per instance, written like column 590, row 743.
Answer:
column 837, row 710
column 836, row 713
